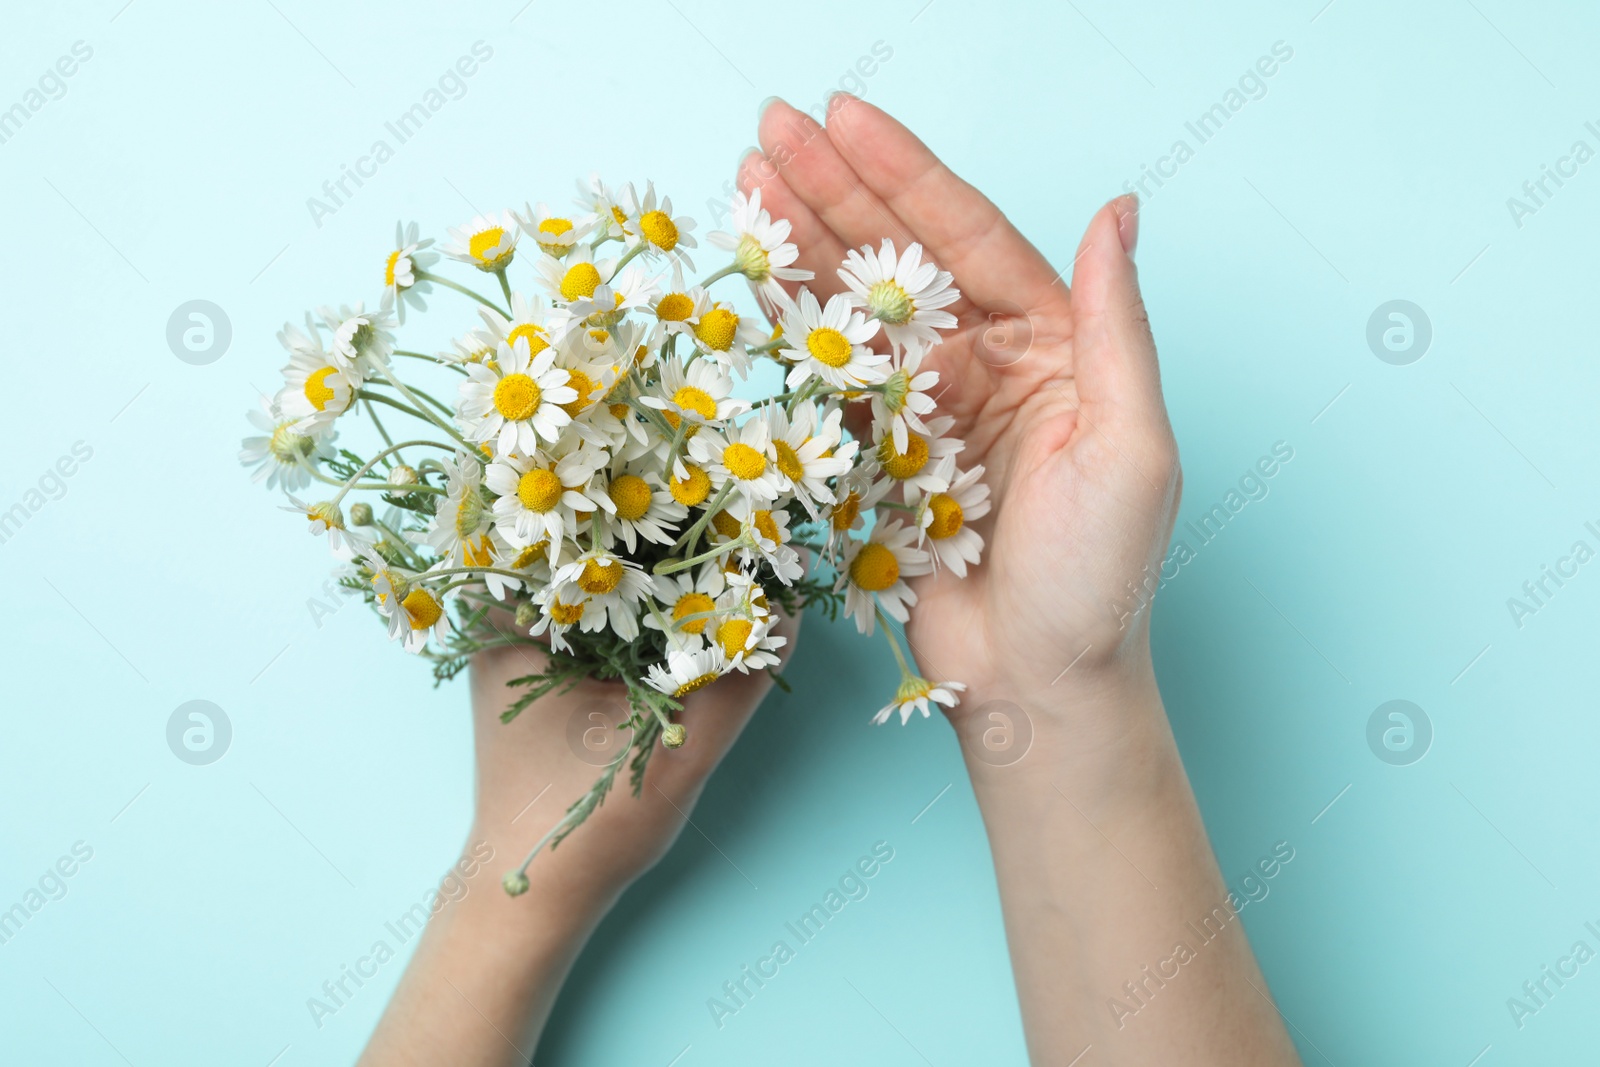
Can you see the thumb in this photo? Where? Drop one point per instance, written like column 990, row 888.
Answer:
column 1114, row 356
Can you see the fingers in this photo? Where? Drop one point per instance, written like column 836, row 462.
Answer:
column 812, row 167
column 820, row 249
column 1114, row 355
column 961, row 229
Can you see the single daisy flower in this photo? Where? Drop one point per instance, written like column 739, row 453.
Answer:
column 761, row 250
column 517, row 401
column 744, row 456
column 557, row 615
column 409, row 258
column 874, row 572
column 830, row 343
column 654, row 224
column 555, row 234
column 326, row 518
column 529, row 320
column 904, row 398
column 539, row 497
column 942, row 517
column 723, row 335
column 637, row 506
column 361, row 339
column 858, row 493
column 461, row 520
column 474, row 346
column 808, row 454
column 615, row 586
column 316, row 390
column 422, row 614
column 768, row 530
column 487, row 242
column 686, row 672
column 917, row 466
column 914, row 694
column 702, row 393
column 280, row 455
column 606, row 215
column 683, row 596
column 748, row 643
column 575, row 276
column 904, row 293
column 532, row 561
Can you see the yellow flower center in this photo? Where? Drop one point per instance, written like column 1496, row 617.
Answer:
column 317, row 390
column 566, row 614
column 618, row 411
column 632, row 496
column 600, row 578
column 789, row 461
column 693, row 490
column 903, row 465
column 659, row 229
column 422, row 609
column 947, row 516
column 537, row 341
column 767, row 527
column 388, row 268
column 828, row 346
column 692, row 685
column 696, row 400
column 616, row 213
column 674, row 307
column 846, row 512
column 555, row 226
column 716, row 329
column 732, row 636
column 484, row 242
column 692, row 604
column 725, row 524
column 539, row 490
column 517, row 396
column 874, row 568
column 584, row 386
column 744, row 462
column 581, row 280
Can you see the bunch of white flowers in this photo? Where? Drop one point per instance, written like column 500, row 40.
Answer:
column 597, row 488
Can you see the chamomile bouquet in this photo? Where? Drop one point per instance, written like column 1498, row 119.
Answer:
column 593, row 485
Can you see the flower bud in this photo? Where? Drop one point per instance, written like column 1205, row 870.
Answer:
column 403, row 475
column 527, row 613
column 673, row 735
column 360, row 514
column 515, row 883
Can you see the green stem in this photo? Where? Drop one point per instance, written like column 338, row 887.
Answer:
column 505, row 286
column 693, row 532
column 423, row 275
column 367, row 466
column 731, row 268
column 400, row 387
column 672, row 566
column 432, row 359
column 900, row 657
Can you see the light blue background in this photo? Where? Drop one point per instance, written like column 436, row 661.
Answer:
column 1376, row 166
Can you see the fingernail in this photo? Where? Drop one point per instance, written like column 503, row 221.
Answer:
column 837, row 101
column 1127, row 209
column 761, row 111
column 746, row 154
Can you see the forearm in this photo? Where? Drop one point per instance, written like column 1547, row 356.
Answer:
column 1104, row 872
column 485, row 976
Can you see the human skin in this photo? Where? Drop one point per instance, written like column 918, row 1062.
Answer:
column 1100, row 854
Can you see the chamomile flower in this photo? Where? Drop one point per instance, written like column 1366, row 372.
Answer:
column 744, row 457
column 517, row 401
column 422, row 615
column 574, row 277
column 487, row 242
column 614, row 585
column 474, row 346
column 942, row 517
column 747, row 643
column 528, row 320
column 808, row 454
column 316, row 390
column 830, row 343
column 725, row 336
column 362, row 339
column 915, row 694
column 280, row 455
column 769, row 533
column 655, row 225
column 903, row 293
column 686, row 672
column 607, row 217
column 904, row 398
column 687, row 600
column 637, row 506
column 874, row 572
column 401, row 284
column 628, row 289
column 325, row 517
column 917, row 466
column 555, row 234
column 702, row 392
column 461, row 520
column 558, row 615
column 539, row 497
column 761, row 249
column 858, row 493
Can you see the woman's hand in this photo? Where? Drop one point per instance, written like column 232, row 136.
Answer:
column 489, row 966
column 1056, row 393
